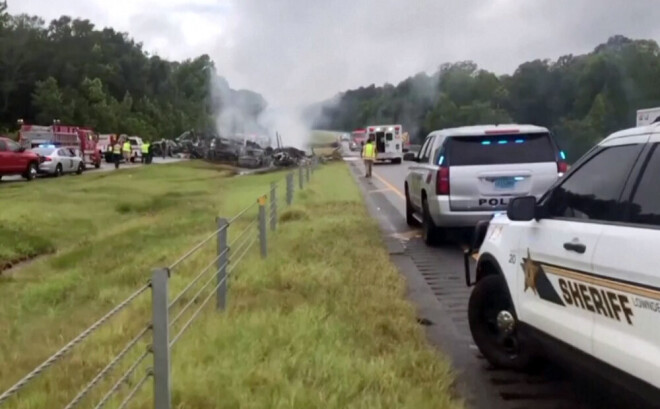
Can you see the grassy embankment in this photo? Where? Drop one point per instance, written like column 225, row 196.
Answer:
column 321, row 323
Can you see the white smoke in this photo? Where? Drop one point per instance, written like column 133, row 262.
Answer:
column 241, row 113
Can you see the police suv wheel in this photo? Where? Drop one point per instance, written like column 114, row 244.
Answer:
column 493, row 320
column 410, row 217
column 58, row 170
column 430, row 233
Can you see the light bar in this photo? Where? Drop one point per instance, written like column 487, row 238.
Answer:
column 502, row 131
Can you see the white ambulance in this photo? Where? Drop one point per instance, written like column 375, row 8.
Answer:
column 389, row 142
column 648, row 116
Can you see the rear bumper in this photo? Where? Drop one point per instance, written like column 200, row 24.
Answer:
column 47, row 168
column 443, row 216
column 389, row 156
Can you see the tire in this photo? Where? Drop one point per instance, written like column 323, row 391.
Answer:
column 430, row 233
column 97, row 164
column 510, row 351
column 58, row 171
column 410, row 218
column 31, row 172
column 396, row 161
column 80, row 169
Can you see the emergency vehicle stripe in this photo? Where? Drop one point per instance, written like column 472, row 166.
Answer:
column 603, row 282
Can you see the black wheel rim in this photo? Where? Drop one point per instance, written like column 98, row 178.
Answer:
column 506, row 342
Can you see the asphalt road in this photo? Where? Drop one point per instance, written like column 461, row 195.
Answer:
column 105, row 167
column 435, row 281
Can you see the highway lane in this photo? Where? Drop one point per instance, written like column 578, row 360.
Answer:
column 105, row 167
column 436, row 286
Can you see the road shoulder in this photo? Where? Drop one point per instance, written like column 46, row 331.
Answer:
column 441, row 330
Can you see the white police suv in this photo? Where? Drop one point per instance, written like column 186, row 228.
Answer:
column 576, row 274
column 463, row 175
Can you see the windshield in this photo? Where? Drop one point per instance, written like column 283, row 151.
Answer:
column 43, row 151
column 500, row 149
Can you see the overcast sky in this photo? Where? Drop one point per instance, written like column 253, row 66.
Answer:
column 301, row 51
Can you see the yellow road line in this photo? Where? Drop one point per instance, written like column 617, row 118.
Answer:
column 391, row 186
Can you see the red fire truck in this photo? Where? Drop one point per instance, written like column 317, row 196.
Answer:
column 82, row 139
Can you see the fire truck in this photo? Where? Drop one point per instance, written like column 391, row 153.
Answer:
column 358, row 136
column 82, row 139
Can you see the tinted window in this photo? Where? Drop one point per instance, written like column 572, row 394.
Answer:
column 426, row 149
column 3, row 147
column 43, row 151
column 593, row 191
column 500, row 149
column 645, row 207
column 13, row 146
column 389, row 136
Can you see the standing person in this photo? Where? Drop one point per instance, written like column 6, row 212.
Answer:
column 145, row 153
column 116, row 153
column 163, row 145
column 126, row 149
column 150, row 152
column 369, row 155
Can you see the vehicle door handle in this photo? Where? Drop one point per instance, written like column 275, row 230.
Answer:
column 576, row 247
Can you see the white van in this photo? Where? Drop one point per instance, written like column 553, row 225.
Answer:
column 389, row 142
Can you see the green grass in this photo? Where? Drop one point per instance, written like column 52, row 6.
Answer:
column 323, row 322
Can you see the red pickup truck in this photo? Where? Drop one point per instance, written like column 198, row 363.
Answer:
column 15, row 160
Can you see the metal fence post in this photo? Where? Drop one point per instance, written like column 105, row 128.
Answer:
column 273, row 206
column 262, row 226
column 223, row 257
column 161, row 339
column 300, row 177
column 289, row 188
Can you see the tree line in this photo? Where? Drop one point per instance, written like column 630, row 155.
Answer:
column 80, row 75
column 581, row 98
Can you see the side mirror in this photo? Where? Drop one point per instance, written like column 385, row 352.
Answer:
column 522, row 209
column 410, row 157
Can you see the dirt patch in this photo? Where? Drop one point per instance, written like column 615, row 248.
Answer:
column 291, row 215
column 19, row 246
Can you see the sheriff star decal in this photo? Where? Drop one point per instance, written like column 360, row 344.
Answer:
column 531, row 269
column 537, row 280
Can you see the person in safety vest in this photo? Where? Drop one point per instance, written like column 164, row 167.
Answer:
column 116, row 153
column 126, row 148
column 369, row 155
column 145, row 152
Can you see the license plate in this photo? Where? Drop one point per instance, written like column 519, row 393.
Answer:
column 505, row 183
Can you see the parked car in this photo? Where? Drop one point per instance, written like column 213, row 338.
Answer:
column 58, row 161
column 464, row 175
column 573, row 276
column 15, row 160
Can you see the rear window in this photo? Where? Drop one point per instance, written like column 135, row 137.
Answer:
column 500, row 149
column 43, row 151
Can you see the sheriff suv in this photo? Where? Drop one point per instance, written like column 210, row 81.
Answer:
column 576, row 274
column 464, row 175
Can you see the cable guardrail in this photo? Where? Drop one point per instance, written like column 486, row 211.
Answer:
column 220, row 268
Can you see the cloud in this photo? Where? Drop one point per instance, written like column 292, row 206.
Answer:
column 296, row 51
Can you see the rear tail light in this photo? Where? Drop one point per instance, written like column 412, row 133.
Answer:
column 442, row 181
column 46, row 159
column 562, row 167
